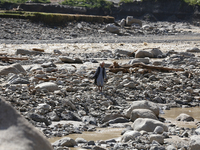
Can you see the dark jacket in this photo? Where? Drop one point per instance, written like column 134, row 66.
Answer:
column 97, row 74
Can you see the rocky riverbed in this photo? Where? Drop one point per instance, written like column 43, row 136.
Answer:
column 54, row 91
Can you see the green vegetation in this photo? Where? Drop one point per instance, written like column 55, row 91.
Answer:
column 55, row 18
column 193, row 2
column 24, row 1
column 89, row 3
column 190, row 2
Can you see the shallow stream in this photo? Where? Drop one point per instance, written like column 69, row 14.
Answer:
column 109, row 133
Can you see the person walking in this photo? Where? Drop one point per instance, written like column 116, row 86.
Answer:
column 99, row 76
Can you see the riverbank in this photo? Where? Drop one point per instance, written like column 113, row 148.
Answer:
column 54, row 91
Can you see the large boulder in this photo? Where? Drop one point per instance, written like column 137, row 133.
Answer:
column 184, row 117
column 14, row 68
column 17, row 133
column 142, row 113
column 130, row 20
column 142, row 105
column 195, row 142
column 147, row 124
column 50, row 86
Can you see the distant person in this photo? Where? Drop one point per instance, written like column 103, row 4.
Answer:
column 99, row 76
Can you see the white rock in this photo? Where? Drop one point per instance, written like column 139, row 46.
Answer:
column 50, row 86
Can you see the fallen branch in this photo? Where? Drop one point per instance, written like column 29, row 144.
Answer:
column 38, row 49
column 5, row 58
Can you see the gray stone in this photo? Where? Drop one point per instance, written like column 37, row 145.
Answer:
column 158, row 130
column 66, row 59
column 130, row 135
column 18, row 130
column 147, row 124
column 15, row 68
column 194, row 142
column 142, row 105
column 66, row 141
column 26, row 52
column 156, row 137
column 112, row 28
column 143, row 54
column 142, row 113
column 184, row 117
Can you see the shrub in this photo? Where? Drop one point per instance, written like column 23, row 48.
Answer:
column 89, row 3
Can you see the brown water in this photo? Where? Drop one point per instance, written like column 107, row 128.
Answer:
column 109, row 133
column 171, row 115
column 99, row 134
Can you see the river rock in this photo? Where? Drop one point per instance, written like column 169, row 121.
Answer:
column 156, row 52
column 122, row 22
column 130, row 135
column 109, row 117
column 53, row 116
column 118, row 120
column 26, row 52
column 170, row 147
column 66, row 59
column 158, row 130
column 193, row 50
column 194, row 142
column 16, row 79
column 48, row 64
column 139, row 60
column 122, row 52
column 157, row 137
column 112, row 28
column 184, row 117
column 143, row 54
column 14, row 68
column 28, row 137
column 89, row 120
column 142, row 113
column 80, row 140
column 39, row 118
column 66, row 141
column 130, row 20
column 147, row 124
column 50, row 86
column 98, row 148
column 142, row 105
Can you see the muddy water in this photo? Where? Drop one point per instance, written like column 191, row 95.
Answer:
column 99, row 134
column 109, row 133
column 171, row 115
